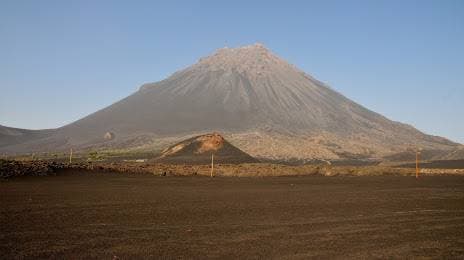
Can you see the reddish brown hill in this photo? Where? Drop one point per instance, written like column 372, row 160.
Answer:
column 200, row 148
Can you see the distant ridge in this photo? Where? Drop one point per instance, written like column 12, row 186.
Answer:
column 13, row 136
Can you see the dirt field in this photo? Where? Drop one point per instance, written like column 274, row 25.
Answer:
column 84, row 215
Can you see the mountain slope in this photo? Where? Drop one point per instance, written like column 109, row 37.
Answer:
column 261, row 103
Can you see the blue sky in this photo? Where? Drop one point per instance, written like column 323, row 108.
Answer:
column 62, row 60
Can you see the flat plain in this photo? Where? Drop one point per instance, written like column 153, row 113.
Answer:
column 108, row 215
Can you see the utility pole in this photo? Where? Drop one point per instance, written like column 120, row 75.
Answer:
column 212, row 164
column 70, row 156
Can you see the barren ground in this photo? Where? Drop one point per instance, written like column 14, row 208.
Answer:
column 93, row 215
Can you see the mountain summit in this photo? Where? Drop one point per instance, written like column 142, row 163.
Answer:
column 262, row 104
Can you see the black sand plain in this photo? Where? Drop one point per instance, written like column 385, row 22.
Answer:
column 79, row 215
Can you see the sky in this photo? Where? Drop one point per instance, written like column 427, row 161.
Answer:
column 62, row 60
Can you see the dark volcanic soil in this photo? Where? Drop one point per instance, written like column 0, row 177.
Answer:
column 86, row 215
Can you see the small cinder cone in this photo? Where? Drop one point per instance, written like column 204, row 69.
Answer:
column 199, row 150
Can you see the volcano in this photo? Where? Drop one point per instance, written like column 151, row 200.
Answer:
column 259, row 102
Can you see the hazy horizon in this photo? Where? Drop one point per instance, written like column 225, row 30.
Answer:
column 63, row 61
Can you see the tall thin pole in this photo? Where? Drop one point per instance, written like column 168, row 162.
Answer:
column 417, row 164
column 70, row 156
column 212, row 164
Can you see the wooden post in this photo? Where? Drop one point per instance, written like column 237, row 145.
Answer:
column 417, row 164
column 212, row 164
column 70, row 156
